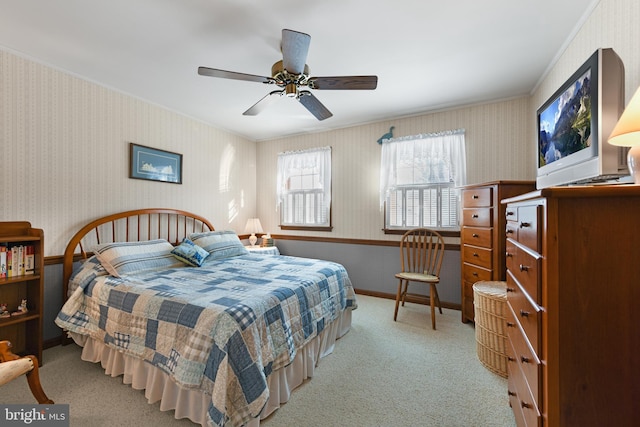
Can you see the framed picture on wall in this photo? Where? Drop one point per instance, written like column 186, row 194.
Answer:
column 154, row 165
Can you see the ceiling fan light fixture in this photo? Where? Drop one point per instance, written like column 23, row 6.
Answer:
column 291, row 90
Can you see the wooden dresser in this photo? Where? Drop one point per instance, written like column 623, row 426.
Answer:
column 573, row 293
column 482, row 235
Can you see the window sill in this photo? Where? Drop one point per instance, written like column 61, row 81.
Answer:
column 306, row 228
column 444, row 233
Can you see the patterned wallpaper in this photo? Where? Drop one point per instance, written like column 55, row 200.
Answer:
column 496, row 145
column 65, row 155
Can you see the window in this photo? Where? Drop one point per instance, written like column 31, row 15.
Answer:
column 304, row 188
column 419, row 180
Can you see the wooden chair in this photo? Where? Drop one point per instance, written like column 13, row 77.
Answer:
column 12, row 366
column 421, row 254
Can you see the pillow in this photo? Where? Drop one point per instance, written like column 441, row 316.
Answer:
column 190, row 253
column 219, row 244
column 135, row 257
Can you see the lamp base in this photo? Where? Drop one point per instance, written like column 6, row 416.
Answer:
column 633, row 161
column 253, row 239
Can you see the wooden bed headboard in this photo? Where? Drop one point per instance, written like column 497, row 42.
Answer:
column 131, row 226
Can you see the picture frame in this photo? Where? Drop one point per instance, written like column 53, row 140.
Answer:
column 154, row 165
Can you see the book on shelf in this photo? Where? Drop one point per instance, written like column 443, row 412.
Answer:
column 17, row 260
column 30, row 260
column 3, row 261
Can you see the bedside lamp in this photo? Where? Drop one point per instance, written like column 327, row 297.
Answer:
column 626, row 133
column 253, row 226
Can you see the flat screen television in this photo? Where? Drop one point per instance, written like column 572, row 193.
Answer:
column 575, row 122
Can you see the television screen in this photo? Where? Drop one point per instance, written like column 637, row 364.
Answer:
column 565, row 124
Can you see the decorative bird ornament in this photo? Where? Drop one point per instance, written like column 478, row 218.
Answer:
column 387, row 135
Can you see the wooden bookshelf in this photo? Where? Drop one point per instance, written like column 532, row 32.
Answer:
column 24, row 330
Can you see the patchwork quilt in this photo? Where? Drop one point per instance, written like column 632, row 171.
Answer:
column 221, row 328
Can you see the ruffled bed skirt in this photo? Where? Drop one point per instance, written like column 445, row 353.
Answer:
column 193, row 404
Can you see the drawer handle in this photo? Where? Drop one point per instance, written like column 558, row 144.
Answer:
column 510, row 393
column 475, row 254
column 526, row 405
column 509, row 231
column 508, row 254
column 474, row 235
column 475, row 196
column 511, row 290
column 524, row 359
column 511, row 359
column 509, row 213
column 524, row 313
column 475, row 274
column 525, row 224
column 474, row 216
column 524, row 267
column 511, row 325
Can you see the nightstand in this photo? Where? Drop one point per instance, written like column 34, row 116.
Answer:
column 266, row 250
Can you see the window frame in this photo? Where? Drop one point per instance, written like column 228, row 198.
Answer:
column 392, row 171
column 325, row 179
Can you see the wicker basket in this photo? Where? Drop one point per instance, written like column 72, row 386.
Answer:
column 490, row 305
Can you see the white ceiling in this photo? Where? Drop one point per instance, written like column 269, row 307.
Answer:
column 427, row 54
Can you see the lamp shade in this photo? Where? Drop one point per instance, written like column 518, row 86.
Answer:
column 253, row 226
column 626, row 133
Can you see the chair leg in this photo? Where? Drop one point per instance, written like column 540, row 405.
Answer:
column 395, row 314
column 437, row 297
column 33, row 379
column 432, row 297
column 405, row 289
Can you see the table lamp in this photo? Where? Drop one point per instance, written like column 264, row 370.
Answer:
column 626, row 133
column 253, row 226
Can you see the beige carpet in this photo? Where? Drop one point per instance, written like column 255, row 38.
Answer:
column 382, row 373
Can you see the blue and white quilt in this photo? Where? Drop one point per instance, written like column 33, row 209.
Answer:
column 222, row 328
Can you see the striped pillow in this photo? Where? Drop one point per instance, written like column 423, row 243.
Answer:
column 124, row 258
column 219, row 244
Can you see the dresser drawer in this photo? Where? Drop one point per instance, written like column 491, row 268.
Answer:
column 468, row 308
column 477, row 197
column 477, row 217
column 526, row 267
column 524, row 355
column 526, row 312
column 525, row 409
column 478, row 256
column 482, row 237
column 473, row 273
column 528, row 223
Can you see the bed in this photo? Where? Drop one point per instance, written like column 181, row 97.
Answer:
column 220, row 335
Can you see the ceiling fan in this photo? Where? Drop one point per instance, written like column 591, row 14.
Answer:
column 292, row 73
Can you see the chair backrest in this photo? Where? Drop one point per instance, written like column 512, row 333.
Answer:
column 421, row 251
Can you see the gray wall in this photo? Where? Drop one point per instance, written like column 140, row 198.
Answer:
column 371, row 268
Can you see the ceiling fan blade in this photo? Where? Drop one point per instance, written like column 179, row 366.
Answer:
column 314, row 106
column 212, row 72
column 260, row 106
column 295, row 46
column 344, row 82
